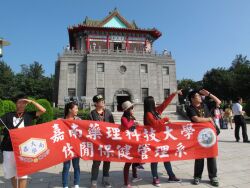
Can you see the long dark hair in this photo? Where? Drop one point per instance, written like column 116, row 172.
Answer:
column 149, row 106
column 128, row 115
column 69, row 106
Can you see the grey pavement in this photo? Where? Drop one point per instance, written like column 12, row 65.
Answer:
column 233, row 170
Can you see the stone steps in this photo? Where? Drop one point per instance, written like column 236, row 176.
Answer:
column 174, row 116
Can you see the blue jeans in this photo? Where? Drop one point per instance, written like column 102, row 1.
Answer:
column 167, row 166
column 65, row 172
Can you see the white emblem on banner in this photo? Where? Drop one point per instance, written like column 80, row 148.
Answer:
column 206, row 137
column 33, row 150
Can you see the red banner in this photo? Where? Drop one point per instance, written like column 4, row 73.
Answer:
column 45, row 145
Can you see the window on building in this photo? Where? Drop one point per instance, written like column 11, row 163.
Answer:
column 166, row 93
column 100, row 67
column 165, row 70
column 144, row 93
column 101, row 91
column 72, row 68
column 144, row 68
column 71, row 92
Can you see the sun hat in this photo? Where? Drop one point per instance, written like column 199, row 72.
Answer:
column 126, row 105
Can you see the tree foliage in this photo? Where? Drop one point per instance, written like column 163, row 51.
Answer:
column 186, row 85
column 6, row 80
column 31, row 81
column 247, row 108
column 226, row 83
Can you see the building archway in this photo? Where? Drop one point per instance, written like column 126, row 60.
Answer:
column 121, row 96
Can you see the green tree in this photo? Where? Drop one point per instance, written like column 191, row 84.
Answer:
column 186, row 85
column 6, row 81
column 247, row 108
column 33, row 83
column 220, row 81
column 241, row 71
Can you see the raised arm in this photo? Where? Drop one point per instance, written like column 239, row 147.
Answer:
column 41, row 109
column 208, row 94
column 159, row 109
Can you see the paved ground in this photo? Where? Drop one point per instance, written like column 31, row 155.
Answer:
column 233, row 170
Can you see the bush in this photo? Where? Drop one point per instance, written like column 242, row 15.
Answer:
column 83, row 114
column 9, row 106
column 1, row 108
column 247, row 108
column 48, row 115
column 57, row 113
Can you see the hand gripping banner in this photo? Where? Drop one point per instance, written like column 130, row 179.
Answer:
column 45, row 145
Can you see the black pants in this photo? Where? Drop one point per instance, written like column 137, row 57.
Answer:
column 211, row 167
column 240, row 122
column 95, row 169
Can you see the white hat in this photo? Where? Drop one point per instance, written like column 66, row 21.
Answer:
column 126, row 105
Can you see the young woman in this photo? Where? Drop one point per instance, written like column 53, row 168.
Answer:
column 128, row 122
column 70, row 112
column 152, row 118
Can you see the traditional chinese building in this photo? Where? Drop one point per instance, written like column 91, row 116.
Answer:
column 115, row 58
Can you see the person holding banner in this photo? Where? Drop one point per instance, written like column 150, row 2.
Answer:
column 70, row 112
column 14, row 120
column 100, row 113
column 199, row 112
column 152, row 118
column 128, row 122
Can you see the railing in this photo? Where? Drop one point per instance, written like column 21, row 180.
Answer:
column 117, row 52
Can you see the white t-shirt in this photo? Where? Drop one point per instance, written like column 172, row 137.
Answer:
column 237, row 109
column 16, row 120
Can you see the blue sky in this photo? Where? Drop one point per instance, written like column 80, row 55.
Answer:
column 201, row 34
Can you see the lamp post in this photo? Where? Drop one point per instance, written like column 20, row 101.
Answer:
column 2, row 44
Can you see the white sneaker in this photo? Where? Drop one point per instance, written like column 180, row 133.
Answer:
column 76, row 186
column 134, row 180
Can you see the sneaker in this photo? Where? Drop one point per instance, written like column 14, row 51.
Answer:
column 134, row 180
column 140, row 167
column 173, row 179
column 156, row 182
column 214, row 182
column 76, row 186
column 196, row 181
column 93, row 184
column 106, row 183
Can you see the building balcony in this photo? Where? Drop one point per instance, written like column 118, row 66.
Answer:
column 135, row 52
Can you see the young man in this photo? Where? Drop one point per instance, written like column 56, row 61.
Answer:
column 14, row 120
column 239, row 120
column 100, row 114
column 198, row 112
